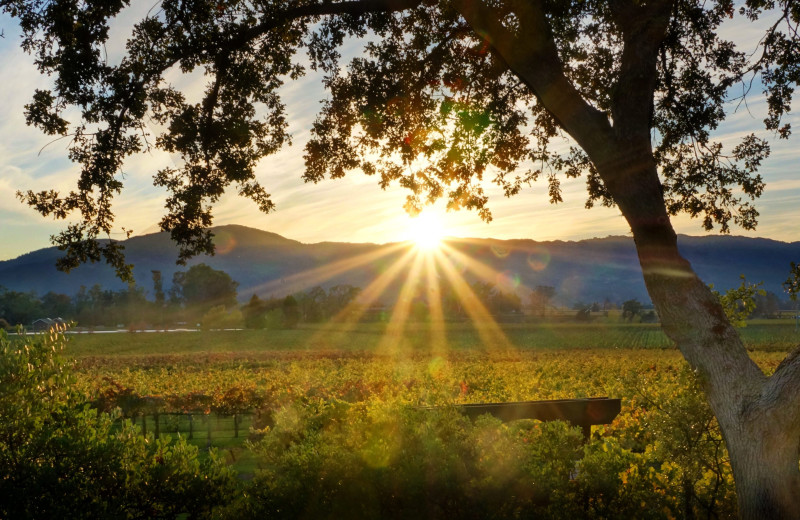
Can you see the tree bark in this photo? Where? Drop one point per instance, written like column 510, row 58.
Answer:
column 760, row 430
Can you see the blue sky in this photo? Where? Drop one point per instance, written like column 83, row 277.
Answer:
column 353, row 209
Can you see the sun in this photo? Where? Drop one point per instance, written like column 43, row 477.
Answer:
column 426, row 231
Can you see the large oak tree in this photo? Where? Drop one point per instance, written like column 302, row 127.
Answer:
column 447, row 95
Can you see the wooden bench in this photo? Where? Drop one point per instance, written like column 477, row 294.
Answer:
column 585, row 412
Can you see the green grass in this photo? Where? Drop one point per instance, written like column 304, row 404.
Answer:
column 205, row 430
column 763, row 335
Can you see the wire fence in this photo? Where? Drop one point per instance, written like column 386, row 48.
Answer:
column 196, row 426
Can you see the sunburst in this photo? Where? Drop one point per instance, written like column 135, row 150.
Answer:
column 426, row 231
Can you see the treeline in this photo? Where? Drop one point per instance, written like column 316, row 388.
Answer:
column 312, row 306
column 89, row 307
column 201, row 296
column 206, row 297
column 192, row 294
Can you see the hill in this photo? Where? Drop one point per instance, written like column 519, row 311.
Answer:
column 268, row 264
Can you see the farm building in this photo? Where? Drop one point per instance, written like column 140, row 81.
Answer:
column 45, row 324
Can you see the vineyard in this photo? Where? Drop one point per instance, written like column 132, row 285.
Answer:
column 316, row 427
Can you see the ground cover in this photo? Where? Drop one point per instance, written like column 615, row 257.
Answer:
column 327, row 405
column 425, row 338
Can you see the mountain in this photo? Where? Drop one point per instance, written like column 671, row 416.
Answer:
column 268, row 264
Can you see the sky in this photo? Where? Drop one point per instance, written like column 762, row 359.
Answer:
column 353, row 209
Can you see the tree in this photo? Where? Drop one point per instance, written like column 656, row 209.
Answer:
column 339, row 297
column 19, row 308
column 56, row 305
column 740, row 302
column 631, row 309
column 158, row 289
column 792, row 288
column 291, row 312
column 446, row 93
column 493, row 298
column 253, row 313
column 768, row 305
column 792, row 283
column 540, row 298
column 482, row 291
column 312, row 304
column 219, row 317
column 202, row 287
column 502, row 302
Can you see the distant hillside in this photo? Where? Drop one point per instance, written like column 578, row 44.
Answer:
column 268, row 264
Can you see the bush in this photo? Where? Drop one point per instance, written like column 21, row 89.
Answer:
column 219, row 318
column 59, row 458
column 333, row 459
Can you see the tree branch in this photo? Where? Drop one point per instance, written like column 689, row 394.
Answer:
column 351, row 7
column 534, row 59
column 643, row 29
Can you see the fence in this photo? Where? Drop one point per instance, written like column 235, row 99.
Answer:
column 195, row 425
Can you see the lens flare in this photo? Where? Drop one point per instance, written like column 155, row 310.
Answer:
column 224, row 242
column 539, row 259
column 500, row 251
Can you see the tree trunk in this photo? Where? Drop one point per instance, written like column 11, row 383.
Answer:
column 758, row 416
column 765, row 469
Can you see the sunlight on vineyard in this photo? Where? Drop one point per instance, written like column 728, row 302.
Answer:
column 343, row 432
column 364, row 410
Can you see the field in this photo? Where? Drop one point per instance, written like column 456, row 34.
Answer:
column 252, row 367
column 417, row 338
column 335, row 411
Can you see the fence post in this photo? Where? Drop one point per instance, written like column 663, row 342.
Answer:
column 158, row 426
column 144, row 424
column 208, row 437
column 191, row 426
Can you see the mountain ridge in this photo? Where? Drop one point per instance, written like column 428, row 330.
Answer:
column 268, row 264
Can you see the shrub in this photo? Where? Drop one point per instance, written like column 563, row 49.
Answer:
column 219, row 318
column 333, row 459
column 59, row 458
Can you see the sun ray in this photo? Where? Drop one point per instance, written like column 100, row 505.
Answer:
column 346, row 319
column 299, row 281
column 478, row 268
column 488, row 330
column 393, row 336
column 356, row 309
column 434, row 297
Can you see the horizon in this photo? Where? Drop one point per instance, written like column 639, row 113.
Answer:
column 442, row 239
column 271, row 264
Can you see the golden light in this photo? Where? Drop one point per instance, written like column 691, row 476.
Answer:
column 426, row 230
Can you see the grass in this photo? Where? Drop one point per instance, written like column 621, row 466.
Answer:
column 415, row 337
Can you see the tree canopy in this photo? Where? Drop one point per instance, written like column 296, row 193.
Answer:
column 203, row 287
column 444, row 96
